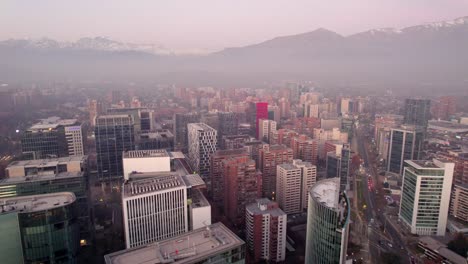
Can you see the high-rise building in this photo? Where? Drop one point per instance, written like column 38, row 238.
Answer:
column 211, row 244
column 39, row 229
column 67, row 174
column 242, row 185
column 234, row 142
column 269, row 158
column 202, row 140
column 95, row 108
column 154, row 209
column 305, row 148
column 261, row 112
column 114, row 135
column 217, row 174
column 417, row 112
column 444, row 107
column 265, row 129
column 157, row 139
column 228, row 124
column 328, row 218
column 338, row 166
column 459, row 202
column 53, row 137
column 405, row 144
column 425, row 196
column 282, row 137
column 266, row 231
column 292, row 185
column 180, row 129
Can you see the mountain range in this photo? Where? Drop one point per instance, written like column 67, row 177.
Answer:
column 428, row 54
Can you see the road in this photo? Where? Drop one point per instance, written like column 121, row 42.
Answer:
column 382, row 235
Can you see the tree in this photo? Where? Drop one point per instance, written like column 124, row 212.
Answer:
column 390, row 258
column 459, row 245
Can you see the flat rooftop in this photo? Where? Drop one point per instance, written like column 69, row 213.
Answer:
column 264, row 206
column 47, row 162
column 201, row 126
column 423, row 164
column 42, row 177
column 442, row 250
column 191, row 247
column 35, row 203
column 326, row 192
column 288, row 166
column 52, row 123
column 153, row 153
column 154, row 184
column 198, row 199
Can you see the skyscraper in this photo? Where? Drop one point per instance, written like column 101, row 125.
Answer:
column 269, row 158
column 180, row 129
column 405, row 144
column 202, row 142
column 444, row 107
column 425, row 196
column 338, row 166
column 39, row 229
column 328, row 217
column 292, row 185
column 459, row 202
column 114, row 135
column 266, row 231
column 242, row 185
column 154, row 209
column 261, row 112
column 417, row 112
column 265, row 129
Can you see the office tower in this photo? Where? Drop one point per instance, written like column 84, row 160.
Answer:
column 444, row 107
column 158, row 139
column 95, row 108
column 425, row 196
column 242, row 185
column 285, row 107
column 140, row 161
column 53, row 137
column 459, row 202
column 322, row 136
column 212, row 244
column 417, row 112
column 388, row 121
column 147, row 120
column 74, row 137
column 261, row 112
column 202, row 142
column 292, row 185
column 305, row 148
column 269, row 158
column 338, row 166
column 265, row 129
column 180, row 129
column 67, row 174
column 154, row 209
column 234, row 142
column 405, row 144
column 39, row 229
column 228, row 124
column 328, row 218
column 274, row 113
column 114, row 135
column 266, row 231
column 217, row 174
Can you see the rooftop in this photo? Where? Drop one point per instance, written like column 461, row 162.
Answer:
column 46, row 162
column 44, row 177
column 442, row 250
column 52, row 123
column 264, row 206
column 193, row 180
column 35, row 203
column 326, row 192
column 288, row 166
column 153, row 153
column 152, row 184
column 198, row 199
column 191, row 247
column 425, row 164
column 201, row 126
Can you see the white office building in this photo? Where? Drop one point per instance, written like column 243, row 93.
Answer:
column 266, row 127
column 292, row 185
column 74, row 137
column 154, row 209
column 425, row 196
column 202, row 140
column 141, row 161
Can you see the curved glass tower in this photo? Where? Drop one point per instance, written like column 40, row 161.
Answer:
column 327, row 223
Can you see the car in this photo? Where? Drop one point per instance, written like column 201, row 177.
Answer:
column 390, row 245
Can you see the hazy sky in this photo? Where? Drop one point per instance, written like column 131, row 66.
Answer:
column 211, row 24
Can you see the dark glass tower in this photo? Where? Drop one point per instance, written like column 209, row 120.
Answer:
column 114, row 134
column 338, row 166
column 405, row 144
column 417, row 112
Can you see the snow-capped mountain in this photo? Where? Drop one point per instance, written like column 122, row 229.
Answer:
column 96, row 43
